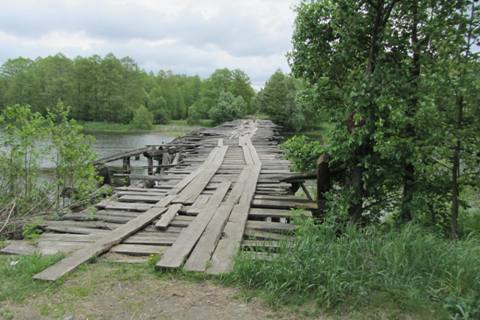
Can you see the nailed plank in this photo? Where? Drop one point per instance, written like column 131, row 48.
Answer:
column 277, row 204
column 185, row 181
column 193, row 190
column 168, row 216
column 270, row 226
column 114, row 205
column 100, row 246
column 257, row 234
column 222, row 258
column 138, row 249
column 205, row 247
column 141, row 198
column 178, row 252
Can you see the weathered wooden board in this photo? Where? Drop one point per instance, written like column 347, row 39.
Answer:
column 175, row 256
column 207, row 243
column 168, row 216
column 100, row 246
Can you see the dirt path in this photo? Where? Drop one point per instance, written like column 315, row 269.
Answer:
column 108, row 291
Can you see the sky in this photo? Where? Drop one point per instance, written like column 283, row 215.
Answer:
column 185, row 36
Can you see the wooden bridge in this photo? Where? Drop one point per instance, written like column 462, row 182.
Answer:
column 214, row 192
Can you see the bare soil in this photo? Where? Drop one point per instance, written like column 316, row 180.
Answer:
column 106, row 291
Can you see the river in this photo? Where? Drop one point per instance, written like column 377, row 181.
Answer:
column 107, row 144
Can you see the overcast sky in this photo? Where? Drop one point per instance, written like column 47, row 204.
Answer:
column 185, row 36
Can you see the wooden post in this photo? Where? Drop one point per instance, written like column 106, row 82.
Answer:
column 127, row 167
column 323, row 181
column 150, row 165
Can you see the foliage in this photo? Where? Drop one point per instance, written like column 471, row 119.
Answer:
column 75, row 175
column 142, row 119
column 227, row 108
column 398, row 81
column 110, row 89
column 278, row 99
column 20, row 154
column 368, row 267
column 235, row 82
column 28, row 139
column 302, row 152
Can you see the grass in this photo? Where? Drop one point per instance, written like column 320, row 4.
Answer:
column 174, row 128
column 16, row 273
column 369, row 271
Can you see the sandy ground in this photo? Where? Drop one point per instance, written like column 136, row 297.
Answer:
column 93, row 294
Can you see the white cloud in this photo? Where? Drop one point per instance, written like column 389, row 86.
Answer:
column 187, row 36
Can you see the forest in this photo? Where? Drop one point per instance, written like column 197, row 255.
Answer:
column 111, row 89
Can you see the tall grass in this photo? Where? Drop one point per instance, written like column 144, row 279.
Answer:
column 364, row 267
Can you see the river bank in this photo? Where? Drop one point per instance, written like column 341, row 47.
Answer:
column 174, row 128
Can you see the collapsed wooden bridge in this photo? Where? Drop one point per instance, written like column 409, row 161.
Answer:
column 219, row 191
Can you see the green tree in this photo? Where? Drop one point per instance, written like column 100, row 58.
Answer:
column 227, row 108
column 157, row 105
column 142, row 118
column 72, row 155
column 278, row 99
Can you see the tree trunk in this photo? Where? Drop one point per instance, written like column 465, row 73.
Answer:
column 456, row 173
column 409, row 169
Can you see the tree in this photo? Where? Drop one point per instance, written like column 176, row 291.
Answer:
column 227, row 108
column 222, row 80
column 142, row 118
column 278, row 99
column 392, row 77
column 339, row 48
column 23, row 148
column 157, row 105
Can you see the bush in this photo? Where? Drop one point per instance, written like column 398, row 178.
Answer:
column 364, row 267
column 142, row 119
column 303, row 152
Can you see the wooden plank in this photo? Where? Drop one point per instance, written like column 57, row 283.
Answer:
column 178, row 252
column 168, row 216
column 222, row 258
column 272, row 213
column 193, row 190
column 102, row 245
column 257, row 234
column 185, row 181
column 142, row 198
column 138, row 249
column 205, row 247
column 19, row 247
column 75, row 230
column 114, row 205
column 277, row 204
column 270, row 226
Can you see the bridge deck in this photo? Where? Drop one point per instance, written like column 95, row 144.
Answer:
column 224, row 196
